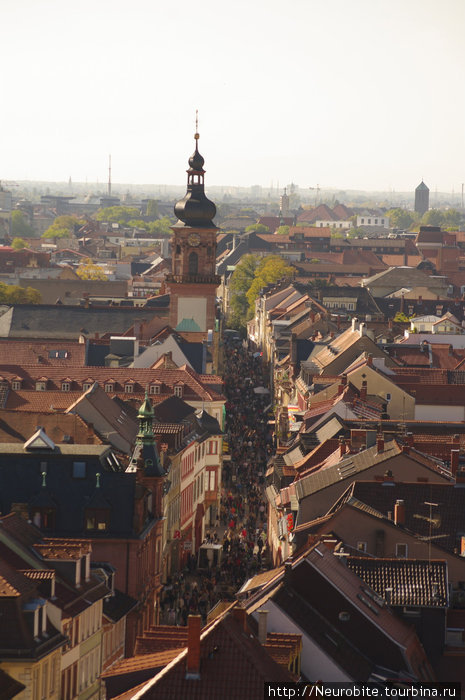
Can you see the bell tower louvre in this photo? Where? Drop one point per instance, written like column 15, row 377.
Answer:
column 193, row 280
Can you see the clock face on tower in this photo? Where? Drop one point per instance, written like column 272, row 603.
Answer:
column 193, row 239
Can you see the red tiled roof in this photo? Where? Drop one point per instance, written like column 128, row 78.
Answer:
column 44, row 353
column 196, row 387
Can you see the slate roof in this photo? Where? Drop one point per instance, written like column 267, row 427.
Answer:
column 413, row 582
column 55, row 321
column 443, row 525
column 21, row 483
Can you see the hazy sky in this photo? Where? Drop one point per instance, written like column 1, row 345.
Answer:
column 344, row 93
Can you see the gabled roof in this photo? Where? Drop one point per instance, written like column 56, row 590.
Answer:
column 334, row 469
column 446, row 520
column 314, row 589
column 233, row 665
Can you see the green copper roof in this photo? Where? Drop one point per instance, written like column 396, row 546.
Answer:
column 188, row 325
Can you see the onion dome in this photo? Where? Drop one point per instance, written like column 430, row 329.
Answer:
column 195, row 209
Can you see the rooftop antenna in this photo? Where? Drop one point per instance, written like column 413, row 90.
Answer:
column 109, row 175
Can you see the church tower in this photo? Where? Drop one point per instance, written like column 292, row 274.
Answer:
column 193, row 280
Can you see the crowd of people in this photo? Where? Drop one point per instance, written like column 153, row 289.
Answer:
column 242, row 519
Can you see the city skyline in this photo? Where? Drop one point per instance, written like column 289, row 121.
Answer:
column 352, row 96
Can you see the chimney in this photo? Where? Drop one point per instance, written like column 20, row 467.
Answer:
column 456, row 439
column 363, row 390
column 370, row 360
column 262, row 626
column 193, row 647
column 454, row 461
column 409, row 439
column 406, row 449
column 240, row 614
column 380, row 443
column 287, row 569
column 344, row 380
column 342, row 447
column 399, row 512
column 354, row 321
column 363, row 329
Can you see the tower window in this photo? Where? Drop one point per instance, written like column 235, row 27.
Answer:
column 193, row 263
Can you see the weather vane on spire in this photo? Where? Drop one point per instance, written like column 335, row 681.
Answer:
column 196, row 135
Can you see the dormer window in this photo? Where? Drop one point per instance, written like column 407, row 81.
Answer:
column 41, row 384
column 65, row 386
column 129, row 388
column 109, row 387
column 178, row 390
column 16, row 384
column 44, row 518
column 87, row 384
column 97, row 519
column 154, row 389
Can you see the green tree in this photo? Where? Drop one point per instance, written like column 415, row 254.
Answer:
column 13, row 294
column 138, row 223
column 18, row 243
column 401, row 218
column 356, row 233
column 283, row 231
column 20, row 225
column 152, row 209
column 269, row 270
column 452, row 219
column 433, row 217
column 117, row 215
column 55, row 231
column 257, row 228
column 63, row 227
column 161, row 227
column 241, row 279
column 400, row 317
column 88, row 270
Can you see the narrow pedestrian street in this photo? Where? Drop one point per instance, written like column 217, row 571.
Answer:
column 240, row 529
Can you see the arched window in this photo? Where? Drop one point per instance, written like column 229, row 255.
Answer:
column 193, row 263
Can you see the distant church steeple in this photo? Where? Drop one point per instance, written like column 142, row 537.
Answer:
column 422, row 198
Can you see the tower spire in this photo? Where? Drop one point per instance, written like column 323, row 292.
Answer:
column 196, row 135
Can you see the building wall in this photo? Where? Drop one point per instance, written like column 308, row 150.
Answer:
column 434, row 412
column 41, row 678
column 314, row 662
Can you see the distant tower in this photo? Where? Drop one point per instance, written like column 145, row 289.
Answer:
column 421, row 198
column 284, row 203
column 193, row 279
